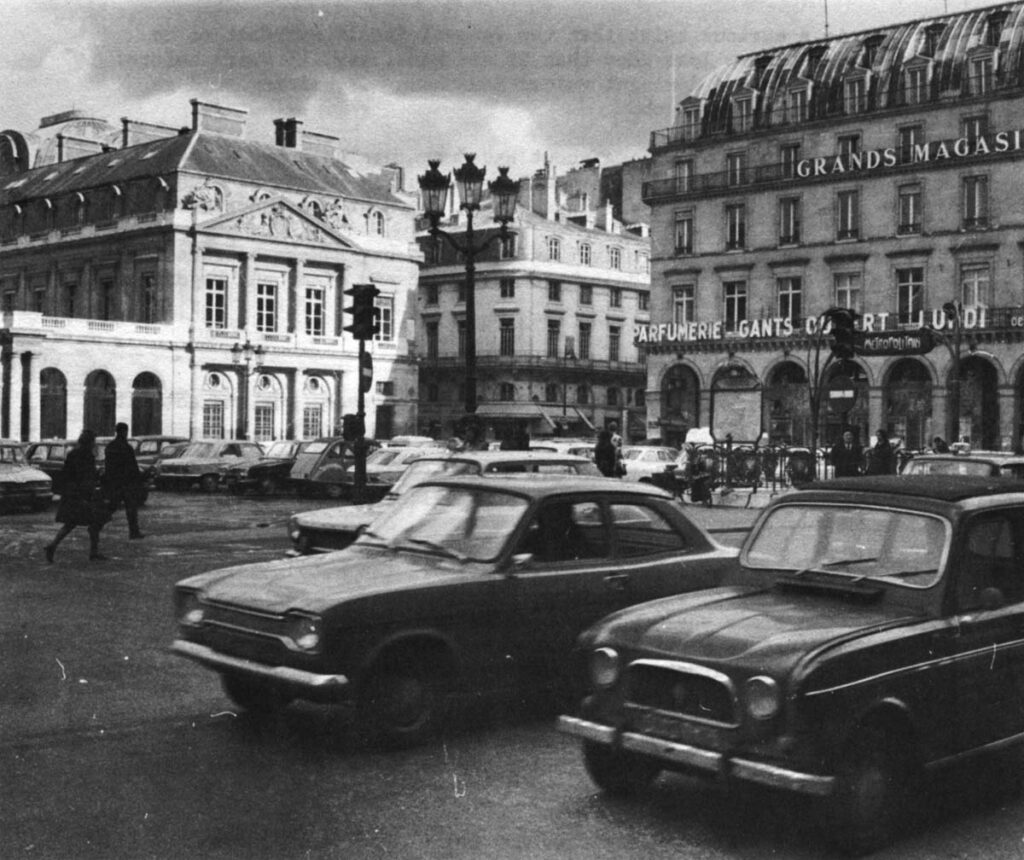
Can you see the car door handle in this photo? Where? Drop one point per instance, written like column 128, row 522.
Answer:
column 617, row 581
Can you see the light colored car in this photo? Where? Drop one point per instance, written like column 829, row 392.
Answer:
column 22, row 485
column 972, row 463
column 204, row 463
column 335, row 528
column 642, row 461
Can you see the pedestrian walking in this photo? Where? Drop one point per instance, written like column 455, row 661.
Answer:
column 881, row 459
column 82, row 502
column 606, row 455
column 122, row 480
column 847, row 456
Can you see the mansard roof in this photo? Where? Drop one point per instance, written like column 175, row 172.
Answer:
column 203, row 153
column 945, row 42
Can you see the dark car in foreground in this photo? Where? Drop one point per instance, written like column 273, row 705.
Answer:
column 466, row 585
column 270, row 473
column 874, row 632
column 329, row 529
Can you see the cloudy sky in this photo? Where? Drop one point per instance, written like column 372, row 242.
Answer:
column 404, row 80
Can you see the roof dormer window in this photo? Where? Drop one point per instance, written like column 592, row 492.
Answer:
column 982, row 63
column 994, row 28
column 870, row 51
column 689, row 116
column 917, row 77
column 743, row 111
column 856, row 92
column 932, row 34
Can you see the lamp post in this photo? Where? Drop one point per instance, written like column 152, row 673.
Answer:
column 434, row 186
column 252, row 357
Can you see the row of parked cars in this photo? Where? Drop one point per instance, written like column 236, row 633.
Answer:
column 866, row 633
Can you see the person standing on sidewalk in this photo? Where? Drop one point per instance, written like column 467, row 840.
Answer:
column 82, row 502
column 122, row 479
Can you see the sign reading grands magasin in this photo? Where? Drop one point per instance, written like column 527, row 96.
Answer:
column 874, row 336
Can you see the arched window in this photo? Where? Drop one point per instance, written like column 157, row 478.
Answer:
column 377, row 223
column 147, row 405
column 100, row 403
column 53, row 404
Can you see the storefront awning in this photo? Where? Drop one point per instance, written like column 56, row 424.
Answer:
column 515, row 411
column 584, row 418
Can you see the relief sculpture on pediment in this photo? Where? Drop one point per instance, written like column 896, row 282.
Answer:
column 276, row 222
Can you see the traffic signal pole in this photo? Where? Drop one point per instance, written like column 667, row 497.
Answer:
column 360, row 445
column 365, row 326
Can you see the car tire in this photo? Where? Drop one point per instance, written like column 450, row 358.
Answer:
column 208, row 483
column 618, row 773
column 255, row 697
column 401, row 706
column 872, row 792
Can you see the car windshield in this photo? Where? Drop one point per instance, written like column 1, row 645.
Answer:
column 421, row 470
column 284, row 450
column 200, row 449
column 465, row 523
column 858, row 541
column 11, row 454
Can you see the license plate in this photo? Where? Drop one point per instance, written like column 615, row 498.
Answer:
column 660, row 725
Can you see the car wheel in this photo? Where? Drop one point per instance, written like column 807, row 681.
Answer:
column 401, row 706
column 267, row 486
column 208, row 483
column 616, row 772
column 872, row 794
column 253, row 696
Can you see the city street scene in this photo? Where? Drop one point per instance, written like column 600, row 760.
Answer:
column 501, row 430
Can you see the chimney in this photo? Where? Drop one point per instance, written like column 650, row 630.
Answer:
column 396, row 173
column 551, row 203
column 218, row 119
column 286, row 132
column 316, row 143
column 133, row 132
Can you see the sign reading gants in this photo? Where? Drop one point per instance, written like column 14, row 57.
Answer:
column 782, row 327
column 922, row 153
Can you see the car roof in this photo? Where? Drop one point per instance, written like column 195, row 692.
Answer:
column 539, row 486
column 945, row 488
column 998, row 457
column 485, row 458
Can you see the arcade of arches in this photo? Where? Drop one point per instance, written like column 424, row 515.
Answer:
column 909, row 403
column 100, row 404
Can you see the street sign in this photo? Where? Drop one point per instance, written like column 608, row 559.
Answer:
column 900, row 342
column 841, row 394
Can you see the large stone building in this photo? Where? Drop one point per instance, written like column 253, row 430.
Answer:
column 879, row 171
column 193, row 281
column 556, row 307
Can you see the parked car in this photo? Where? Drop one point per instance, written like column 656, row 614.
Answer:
column 204, row 463
column 319, row 469
column 335, row 528
column 383, row 468
column 643, row 461
column 48, row 456
column 22, row 485
column 270, row 473
column 148, row 449
column 466, row 585
column 872, row 633
column 966, row 463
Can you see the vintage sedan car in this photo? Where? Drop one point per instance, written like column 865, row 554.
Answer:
column 270, row 473
column 335, row 528
column 873, row 632
column 966, row 463
column 466, row 585
column 149, row 449
column 642, row 462
column 49, row 455
column 22, row 485
column 204, row 463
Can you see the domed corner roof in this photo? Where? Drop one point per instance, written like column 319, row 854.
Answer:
column 74, row 124
column 16, row 151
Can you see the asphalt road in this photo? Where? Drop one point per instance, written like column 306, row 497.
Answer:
column 112, row 748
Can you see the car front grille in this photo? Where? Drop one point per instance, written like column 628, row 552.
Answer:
column 258, row 623
column 682, row 689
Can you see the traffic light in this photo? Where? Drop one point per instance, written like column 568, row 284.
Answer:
column 352, row 427
column 366, row 372
column 365, row 324
column 844, row 336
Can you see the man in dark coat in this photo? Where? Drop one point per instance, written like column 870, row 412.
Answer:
column 81, row 502
column 847, row 457
column 123, row 480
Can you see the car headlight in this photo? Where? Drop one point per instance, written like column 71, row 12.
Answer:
column 304, row 631
column 605, row 666
column 762, row 697
column 190, row 608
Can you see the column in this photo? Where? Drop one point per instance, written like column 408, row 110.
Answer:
column 32, row 384
column 296, row 379
column 196, row 398
column 15, row 397
column 1007, row 442
column 247, row 294
column 296, row 297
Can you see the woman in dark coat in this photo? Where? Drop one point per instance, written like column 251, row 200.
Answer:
column 606, row 455
column 81, row 503
column 880, row 456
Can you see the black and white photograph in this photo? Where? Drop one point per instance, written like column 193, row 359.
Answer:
column 476, row 430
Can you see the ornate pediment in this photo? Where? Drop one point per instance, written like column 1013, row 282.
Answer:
column 277, row 220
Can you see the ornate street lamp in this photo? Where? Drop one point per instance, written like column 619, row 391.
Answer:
column 469, row 178
column 248, row 360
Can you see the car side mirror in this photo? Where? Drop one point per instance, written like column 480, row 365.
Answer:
column 992, row 598
column 520, row 561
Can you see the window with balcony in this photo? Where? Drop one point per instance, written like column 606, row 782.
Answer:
column 584, row 341
column 975, row 202
column 849, row 145
column 909, row 209
column 789, row 157
column 215, row 301
column 70, row 298
column 147, row 298
column 433, row 341
column 974, row 127
column 789, row 221
column 847, row 290
column 736, row 168
column 507, row 338
column 735, row 299
column 691, row 122
column 847, row 215
column 314, row 316
column 554, row 333
column 684, row 304
column 735, row 226
column 790, row 297
column 614, row 342
column 975, row 284
column 908, row 139
column 106, row 300
column 683, row 175
column 266, row 307
column 586, row 294
column 684, row 233
column 909, row 294
column 554, row 291
column 507, row 288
